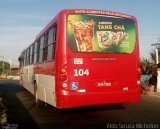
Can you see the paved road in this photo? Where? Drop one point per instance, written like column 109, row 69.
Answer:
column 17, row 109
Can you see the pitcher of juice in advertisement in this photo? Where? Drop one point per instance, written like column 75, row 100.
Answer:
column 83, row 32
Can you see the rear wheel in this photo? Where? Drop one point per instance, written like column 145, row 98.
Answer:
column 38, row 102
column 21, row 81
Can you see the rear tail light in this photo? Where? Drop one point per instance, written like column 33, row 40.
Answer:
column 63, row 70
column 138, row 75
column 63, row 76
column 139, row 70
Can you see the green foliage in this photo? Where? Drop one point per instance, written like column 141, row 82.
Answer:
column 148, row 66
column 153, row 56
column 4, row 67
column 145, row 62
column 153, row 53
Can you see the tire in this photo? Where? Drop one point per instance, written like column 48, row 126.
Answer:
column 21, row 81
column 38, row 102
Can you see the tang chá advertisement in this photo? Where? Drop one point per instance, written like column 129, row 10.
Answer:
column 100, row 33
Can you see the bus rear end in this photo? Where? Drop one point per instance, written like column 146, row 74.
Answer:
column 102, row 60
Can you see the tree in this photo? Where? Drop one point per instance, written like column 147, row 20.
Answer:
column 148, row 67
column 153, row 53
column 4, row 67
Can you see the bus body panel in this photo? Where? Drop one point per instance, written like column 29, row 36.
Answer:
column 70, row 100
column 45, row 80
column 106, row 81
column 27, row 75
column 76, row 79
column 97, row 78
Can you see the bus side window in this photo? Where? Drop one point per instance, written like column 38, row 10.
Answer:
column 38, row 49
column 41, row 48
column 45, row 50
column 28, row 57
column 21, row 59
column 35, row 52
column 24, row 57
column 31, row 54
column 51, row 43
column 54, row 41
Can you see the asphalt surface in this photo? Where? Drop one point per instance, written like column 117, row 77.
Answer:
column 18, row 111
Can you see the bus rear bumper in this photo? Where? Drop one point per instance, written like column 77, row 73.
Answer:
column 75, row 99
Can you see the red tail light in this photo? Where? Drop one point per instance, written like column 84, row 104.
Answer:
column 138, row 72
column 63, row 76
column 138, row 75
column 63, row 70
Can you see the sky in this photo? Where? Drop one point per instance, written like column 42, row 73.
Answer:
column 22, row 20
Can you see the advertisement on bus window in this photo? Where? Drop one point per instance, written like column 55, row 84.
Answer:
column 100, row 33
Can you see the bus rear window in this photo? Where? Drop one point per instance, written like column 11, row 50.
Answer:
column 100, row 33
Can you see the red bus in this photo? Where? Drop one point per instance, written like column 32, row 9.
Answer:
column 84, row 57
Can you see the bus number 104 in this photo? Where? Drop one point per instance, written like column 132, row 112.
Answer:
column 81, row 72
